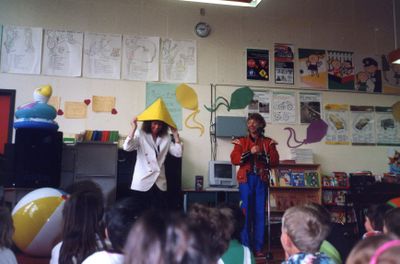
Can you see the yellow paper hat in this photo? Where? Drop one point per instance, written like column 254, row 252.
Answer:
column 157, row 111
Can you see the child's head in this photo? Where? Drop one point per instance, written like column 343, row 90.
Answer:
column 374, row 217
column 391, row 222
column 303, row 229
column 366, row 248
column 6, row 228
column 235, row 214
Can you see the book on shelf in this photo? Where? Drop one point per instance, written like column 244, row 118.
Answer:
column 101, row 136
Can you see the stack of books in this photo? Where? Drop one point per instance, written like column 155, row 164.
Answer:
column 101, row 136
column 302, row 156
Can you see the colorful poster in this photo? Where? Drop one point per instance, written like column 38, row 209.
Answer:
column 313, row 69
column 284, row 107
column 310, row 107
column 284, row 63
column 362, row 125
column 340, row 70
column 337, row 118
column 257, row 64
column 261, row 103
column 394, row 160
column 387, row 128
column 390, row 76
column 369, row 76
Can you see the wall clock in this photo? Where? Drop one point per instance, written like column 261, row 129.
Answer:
column 202, row 29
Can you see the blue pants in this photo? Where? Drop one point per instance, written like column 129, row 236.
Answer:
column 252, row 195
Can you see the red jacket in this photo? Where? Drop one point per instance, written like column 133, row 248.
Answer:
column 244, row 145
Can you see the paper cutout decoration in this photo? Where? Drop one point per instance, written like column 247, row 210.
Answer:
column 396, row 111
column 187, row 98
column 157, row 111
column 239, row 100
column 316, row 131
column 103, row 103
column 87, row 101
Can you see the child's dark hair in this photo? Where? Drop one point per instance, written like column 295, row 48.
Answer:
column 6, row 228
column 375, row 214
column 391, row 221
column 146, row 127
column 235, row 213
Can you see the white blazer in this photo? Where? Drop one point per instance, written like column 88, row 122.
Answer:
column 149, row 167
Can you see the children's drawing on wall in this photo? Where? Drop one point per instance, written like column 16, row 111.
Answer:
column 62, row 53
column 102, row 56
column 21, row 49
column 283, row 107
column 337, row 118
column 362, row 125
column 178, row 61
column 104, row 104
column 313, row 69
column 394, row 160
column 140, row 58
column 368, row 78
column 261, row 103
column 284, row 63
column 257, row 64
column 310, row 107
column 387, row 128
column 340, row 70
column 390, row 76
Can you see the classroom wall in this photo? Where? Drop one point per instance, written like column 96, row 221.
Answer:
column 362, row 26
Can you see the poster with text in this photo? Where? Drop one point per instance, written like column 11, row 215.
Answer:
column 362, row 125
column 313, row 69
column 310, row 107
column 390, row 76
column 387, row 128
column 284, row 107
column 340, row 70
column 102, row 56
column 62, row 53
column 368, row 76
column 21, row 49
column 284, row 63
column 261, row 103
column 178, row 61
column 337, row 118
column 257, row 64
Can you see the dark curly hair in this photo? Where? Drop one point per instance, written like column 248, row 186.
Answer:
column 146, row 127
column 259, row 119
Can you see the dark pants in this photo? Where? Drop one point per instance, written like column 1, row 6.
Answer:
column 151, row 199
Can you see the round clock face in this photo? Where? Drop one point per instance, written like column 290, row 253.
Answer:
column 202, row 29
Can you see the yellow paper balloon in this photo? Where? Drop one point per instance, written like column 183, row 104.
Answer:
column 187, row 97
column 396, row 111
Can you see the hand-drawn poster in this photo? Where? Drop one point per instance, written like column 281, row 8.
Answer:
column 390, row 76
column 257, row 64
column 283, row 107
column 102, row 56
column 178, row 61
column 168, row 93
column 362, row 125
column 313, row 69
column 387, row 128
column 21, row 49
column 75, row 110
column 141, row 56
column 103, row 103
column 337, row 118
column 284, row 63
column 62, row 53
column 340, row 70
column 369, row 76
column 310, row 107
column 261, row 103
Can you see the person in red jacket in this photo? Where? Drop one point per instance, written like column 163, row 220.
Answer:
column 255, row 154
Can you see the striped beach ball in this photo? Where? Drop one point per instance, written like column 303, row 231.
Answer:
column 38, row 221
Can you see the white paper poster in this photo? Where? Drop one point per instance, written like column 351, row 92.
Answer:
column 178, row 61
column 21, row 49
column 284, row 107
column 387, row 128
column 261, row 103
column 337, row 118
column 362, row 125
column 102, row 56
column 62, row 53
column 310, row 107
column 141, row 56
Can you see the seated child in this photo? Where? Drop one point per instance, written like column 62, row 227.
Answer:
column 6, row 233
column 374, row 219
column 303, row 231
column 391, row 222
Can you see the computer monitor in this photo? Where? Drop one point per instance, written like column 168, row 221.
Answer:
column 221, row 174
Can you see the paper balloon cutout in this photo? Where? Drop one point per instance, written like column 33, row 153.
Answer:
column 396, row 111
column 187, row 98
column 316, row 131
column 239, row 100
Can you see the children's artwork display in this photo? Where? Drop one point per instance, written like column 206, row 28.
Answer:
column 257, row 64
column 283, row 107
column 284, row 63
column 337, row 117
column 313, row 69
column 362, row 125
column 261, row 103
column 340, row 70
column 394, row 160
column 390, row 76
column 369, row 76
column 310, row 107
column 387, row 128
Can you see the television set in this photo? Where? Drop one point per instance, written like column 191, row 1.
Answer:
column 221, row 174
